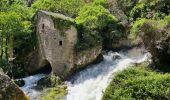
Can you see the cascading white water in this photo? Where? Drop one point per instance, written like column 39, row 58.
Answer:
column 30, row 84
column 90, row 83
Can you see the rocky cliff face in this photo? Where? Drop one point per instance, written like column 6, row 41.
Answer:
column 116, row 10
column 159, row 46
column 116, row 36
column 88, row 56
column 156, row 40
column 9, row 90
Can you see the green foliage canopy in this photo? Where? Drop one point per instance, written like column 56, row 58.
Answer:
column 95, row 17
column 66, row 7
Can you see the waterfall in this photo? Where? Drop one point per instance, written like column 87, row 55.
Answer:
column 90, row 83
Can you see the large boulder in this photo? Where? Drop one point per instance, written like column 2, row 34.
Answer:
column 9, row 90
column 49, row 81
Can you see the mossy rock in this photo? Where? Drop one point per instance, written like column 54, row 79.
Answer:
column 56, row 93
column 49, row 81
column 9, row 90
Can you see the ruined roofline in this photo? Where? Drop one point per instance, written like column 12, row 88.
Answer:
column 57, row 15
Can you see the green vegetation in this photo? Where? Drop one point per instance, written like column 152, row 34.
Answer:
column 166, row 21
column 56, row 93
column 103, row 3
column 139, row 83
column 150, row 9
column 84, row 11
column 136, row 27
column 141, row 25
column 95, row 17
column 66, row 7
column 62, row 23
column 147, row 19
column 148, row 26
column 16, row 30
column 92, row 21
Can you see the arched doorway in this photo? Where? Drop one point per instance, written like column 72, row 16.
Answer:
column 46, row 67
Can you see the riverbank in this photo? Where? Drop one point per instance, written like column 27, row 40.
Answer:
column 139, row 82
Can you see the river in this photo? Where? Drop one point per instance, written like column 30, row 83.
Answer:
column 90, row 83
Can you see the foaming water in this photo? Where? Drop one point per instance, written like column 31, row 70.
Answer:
column 30, row 84
column 90, row 83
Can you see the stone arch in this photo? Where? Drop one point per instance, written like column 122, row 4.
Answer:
column 46, row 67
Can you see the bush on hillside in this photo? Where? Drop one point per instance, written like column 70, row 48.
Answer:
column 103, row 3
column 155, row 9
column 138, row 83
column 147, row 26
column 127, row 5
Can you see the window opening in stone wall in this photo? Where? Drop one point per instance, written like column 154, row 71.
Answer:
column 60, row 43
column 43, row 26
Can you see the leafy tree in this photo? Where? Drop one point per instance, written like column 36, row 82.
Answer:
column 95, row 17
column 66, row 7
column 15, row 32
column 10, row 25
column 92, row 21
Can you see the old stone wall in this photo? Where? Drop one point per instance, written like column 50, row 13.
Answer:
column 56, row 47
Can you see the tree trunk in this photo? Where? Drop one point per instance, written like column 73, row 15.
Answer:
column 6, row 47
column 11, row 46
column 1, row 44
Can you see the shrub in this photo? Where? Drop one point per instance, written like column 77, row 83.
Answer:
column 166, row 21
column 101, row 2
column 136, row 27
column 127, row 5
column 95, row 17
column 150, row 9
column 139, row 83
column 148, row 26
